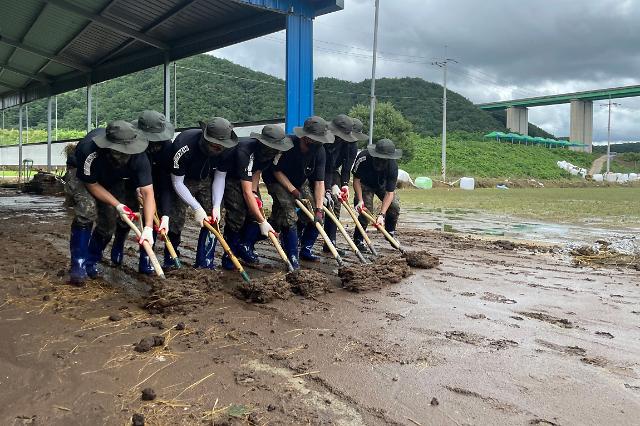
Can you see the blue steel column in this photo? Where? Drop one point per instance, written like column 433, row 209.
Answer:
column 299, row 84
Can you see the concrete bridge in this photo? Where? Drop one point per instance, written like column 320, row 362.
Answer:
column 581, row 123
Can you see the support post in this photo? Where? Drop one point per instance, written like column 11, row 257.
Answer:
column 175, row 96
column 518, row 120
column 166, row 86
column 582, row 123
column 20, row 144
column 372, row 106
column 49, row 106
column 299, row 84
column 89, row 106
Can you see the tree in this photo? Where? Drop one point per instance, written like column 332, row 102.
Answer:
column 389, row 123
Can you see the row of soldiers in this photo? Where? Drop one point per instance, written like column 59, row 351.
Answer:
column 210, row 170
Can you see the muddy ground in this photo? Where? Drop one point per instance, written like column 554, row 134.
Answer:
column 492, row 335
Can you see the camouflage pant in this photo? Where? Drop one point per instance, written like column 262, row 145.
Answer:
column 329, row 226
column 88, row 210
column 201, row 191
column 235, row 206
column 393, row 212
column 283, row 212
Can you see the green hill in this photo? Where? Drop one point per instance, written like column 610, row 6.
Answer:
column 209, row 86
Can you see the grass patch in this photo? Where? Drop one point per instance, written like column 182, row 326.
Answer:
column 607, row 205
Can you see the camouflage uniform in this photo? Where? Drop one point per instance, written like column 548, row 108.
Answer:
column 284, row 213
column 201, row 191
column 236, row 211
column 87, row 209
column 393, row 212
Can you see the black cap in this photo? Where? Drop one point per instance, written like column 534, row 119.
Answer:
column 315, row 128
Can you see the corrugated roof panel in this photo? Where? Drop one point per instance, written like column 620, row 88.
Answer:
column 55, row 69
column 139, row 14
column 54, row 28
column 5, row 51
column 27, row 61
column 13, row 79
column 93, row 6
column 16, row 19
column 95, row 42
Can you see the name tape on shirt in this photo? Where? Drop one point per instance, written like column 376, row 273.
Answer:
column 87, row 163
column 357, row 163
column 178, row 155
column 250, row 166
column 276, row 159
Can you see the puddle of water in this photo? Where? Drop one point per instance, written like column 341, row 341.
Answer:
column 474, row 222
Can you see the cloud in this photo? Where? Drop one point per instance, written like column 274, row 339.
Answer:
column 505, row 48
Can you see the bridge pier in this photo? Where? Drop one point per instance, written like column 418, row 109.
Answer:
column 582, row 123
column 518, row 120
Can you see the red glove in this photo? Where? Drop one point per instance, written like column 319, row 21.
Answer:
column 360, row 207
column 258, row 200
column 126, row 212
column 318, row 217
column 296, row 194
column 344, row 193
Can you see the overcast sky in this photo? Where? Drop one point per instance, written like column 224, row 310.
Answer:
column 506, row 49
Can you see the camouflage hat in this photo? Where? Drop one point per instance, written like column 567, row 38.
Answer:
column 342, row 126
column 122, row 136
column 386, row 149
column 357, row 130
column 274, row 137
column 219, row 131
column 155, row 126
column 315, row 128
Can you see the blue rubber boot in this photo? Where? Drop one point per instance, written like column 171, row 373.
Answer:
column 289, row 240
column 205, row 251
column 78, row 247
column 233, row 240
column 97, row 244
column 144, row 264
column 307, row 240
column 250, row 234
column 169, row 262
column 117, row 248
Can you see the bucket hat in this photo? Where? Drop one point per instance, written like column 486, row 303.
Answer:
column 342, row 126
column 122, row 136
column 357, row 130
column 274, row 137
column 219, row 131
column 315, row 128
column 386, row 149
column 155, row 126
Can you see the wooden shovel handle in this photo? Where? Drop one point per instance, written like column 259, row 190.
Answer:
column 320, row 229
column 227, row 250
column 344, row 234
column 388, row 236
column 147, row 247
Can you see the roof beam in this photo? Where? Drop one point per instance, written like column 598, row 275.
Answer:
column 25, row 73
column 161, row 20
column 39, row 52
column 109, row 23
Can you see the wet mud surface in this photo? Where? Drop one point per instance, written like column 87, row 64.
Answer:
column 490, row 335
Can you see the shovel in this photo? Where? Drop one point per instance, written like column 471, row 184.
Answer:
column 147, row 247
column 227, row 250
column 388, row 236
column 367, row 240
column 167, row 241
column 344, row 234
column 274, row 240
column 320, row 229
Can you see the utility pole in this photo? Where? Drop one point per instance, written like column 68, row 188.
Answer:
column 175, row 96
column 609, row 105
column 373, row 73
column 56, row 117
column 443, row 63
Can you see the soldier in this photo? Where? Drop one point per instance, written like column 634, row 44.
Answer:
column 304, row 162
column 111, row 165
column 199, row 165
column 375, row 172
column 340, row 157
column 253, row 155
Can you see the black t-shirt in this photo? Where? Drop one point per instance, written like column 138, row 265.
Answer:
column 94, row 165
column 160, row 171
column 298, row 166
column 247, row 160
column 386, row 179
column 188, row 160
column 340, row 156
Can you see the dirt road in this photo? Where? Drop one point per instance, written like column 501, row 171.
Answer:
column 490, row 336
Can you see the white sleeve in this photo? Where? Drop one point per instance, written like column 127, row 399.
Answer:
column 217, row 187
column 183, row 192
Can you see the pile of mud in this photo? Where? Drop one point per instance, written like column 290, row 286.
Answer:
column 421, row 259
column 602, row 254
column 184, row 290
column 306, row 283
column 384, row 271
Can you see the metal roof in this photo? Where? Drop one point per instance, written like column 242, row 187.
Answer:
column 565, row 98
column 53, row 46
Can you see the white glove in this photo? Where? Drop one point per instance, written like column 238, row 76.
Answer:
column 215, row 215
column 201, row 216
column 265, row 228
column 328, row 200
column 164, row 225
column 360, row 206
column 147, row 235
column 380, row 220
column 335, row 191
column 125, row 211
